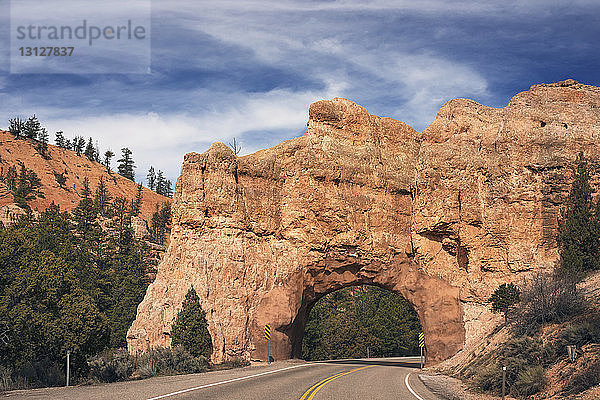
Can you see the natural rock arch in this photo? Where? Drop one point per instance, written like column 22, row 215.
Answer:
column 441, row 217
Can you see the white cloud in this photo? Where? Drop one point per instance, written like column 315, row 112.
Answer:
column 162, row 140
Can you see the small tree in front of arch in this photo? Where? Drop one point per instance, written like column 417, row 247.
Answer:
column 190, row 329
column 504, row 298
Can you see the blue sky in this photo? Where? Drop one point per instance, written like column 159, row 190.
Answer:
column 250, row 69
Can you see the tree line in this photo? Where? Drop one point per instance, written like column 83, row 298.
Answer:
column 32, row 129
column 65, row 284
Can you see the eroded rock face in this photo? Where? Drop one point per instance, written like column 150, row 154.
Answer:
column 441, row 217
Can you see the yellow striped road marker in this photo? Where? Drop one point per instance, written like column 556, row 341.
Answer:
column 310, row 393
column 268, row 332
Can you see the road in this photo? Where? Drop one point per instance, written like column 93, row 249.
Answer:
column 373, row 378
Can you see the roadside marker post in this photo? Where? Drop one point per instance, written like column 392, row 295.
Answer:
column 421, row 345
column 268, row 337
column 503, row 382
column 68, row 366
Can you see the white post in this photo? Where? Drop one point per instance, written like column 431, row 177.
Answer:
column 503, row 382
column 68, row 366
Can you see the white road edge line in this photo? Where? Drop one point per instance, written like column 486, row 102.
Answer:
column 228, row 381
column 410, row 389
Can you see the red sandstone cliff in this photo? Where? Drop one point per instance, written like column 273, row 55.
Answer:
column 440, row 217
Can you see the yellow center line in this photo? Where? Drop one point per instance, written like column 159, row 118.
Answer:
column 310, row 393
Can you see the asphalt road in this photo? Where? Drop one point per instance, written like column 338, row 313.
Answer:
column 383, row 378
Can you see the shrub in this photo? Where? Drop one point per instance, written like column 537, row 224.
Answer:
column 578, row 334
column 548, row 298
column 530, row 381
column 118, row 365
column 111, row 366
column 164, row 361
column 489, row 379
column 519, row 356
column 585, row 379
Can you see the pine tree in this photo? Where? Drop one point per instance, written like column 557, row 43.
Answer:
column 504, row 298
column 151, row 179
column 160, row 183
column 32, row 127
column 126, row 164
column 60, row 178
column 579, row 228
column 90, row 151
column 136, row 204
column 78, row 144
column 11, row 178
column 122, row 223
column 168, row 188
column 86, row 192
column 190, row 329
column 108, row 154
column 16, row 127
column 42, row 146
column 160, row 222
column 102, row 198
column 60, row 139
column 97, row 152
column 28, row 187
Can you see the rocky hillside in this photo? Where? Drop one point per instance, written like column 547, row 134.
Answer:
column 74, row 168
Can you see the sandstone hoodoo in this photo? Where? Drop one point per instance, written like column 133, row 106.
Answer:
column 441, row 217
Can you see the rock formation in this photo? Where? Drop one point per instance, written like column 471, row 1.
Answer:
column 441, row 217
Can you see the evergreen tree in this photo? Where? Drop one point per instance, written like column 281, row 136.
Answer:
column 126, row 164
column 28, row 187
column 42, row 146
column 16, row 127
column 136, row 204
column 60, row 140
column 64, row 285
column 11, row 178
column 504, row 298
column 168, row 188
column 32, row 127
column 90, row 152
column 78, row 144
column 190, row 329
column 579, row 228
column 160, row 223
column 344, row 323
column 108, row 154
column 60, row 178
column 86, row 192
column 102, row 198
column 97, row 152
column 122, row 223
column 160, row 183
column 151, row 179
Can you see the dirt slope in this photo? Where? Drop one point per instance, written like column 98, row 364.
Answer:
column 75, row 169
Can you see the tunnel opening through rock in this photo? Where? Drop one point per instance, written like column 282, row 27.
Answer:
column 358, row 321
